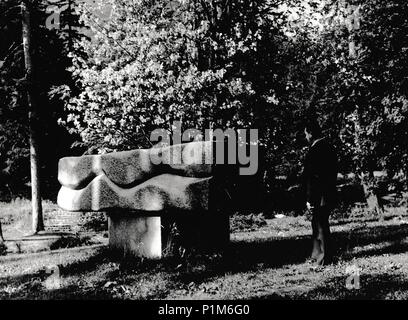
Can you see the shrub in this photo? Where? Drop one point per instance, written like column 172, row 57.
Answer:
column 249, row 222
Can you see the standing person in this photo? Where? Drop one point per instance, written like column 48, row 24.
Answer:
column 320, row 176
column 1, row 236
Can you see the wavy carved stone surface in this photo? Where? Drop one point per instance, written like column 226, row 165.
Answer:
column 136, row 180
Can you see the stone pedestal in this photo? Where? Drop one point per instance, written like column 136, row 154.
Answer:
column 135, row 236
column 153, row 237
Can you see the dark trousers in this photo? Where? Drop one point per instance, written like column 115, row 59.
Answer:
column 321, row 235
column 1, row 234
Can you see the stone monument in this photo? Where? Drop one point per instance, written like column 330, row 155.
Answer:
column 145, row 191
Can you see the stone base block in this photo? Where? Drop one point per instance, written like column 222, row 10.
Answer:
column 135, row 236
column 154, row 237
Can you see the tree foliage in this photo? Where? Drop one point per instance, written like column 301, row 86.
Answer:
column 154, row 62
column 264, row 64
column 261, row 64
column 50, row 53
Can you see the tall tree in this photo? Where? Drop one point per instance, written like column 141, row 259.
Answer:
column 37, row 215
column 366, row 174
column 50, row 54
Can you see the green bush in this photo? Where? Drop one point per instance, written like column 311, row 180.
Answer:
column 239, row 222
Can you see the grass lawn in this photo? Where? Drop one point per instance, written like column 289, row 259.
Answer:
column 267, row 261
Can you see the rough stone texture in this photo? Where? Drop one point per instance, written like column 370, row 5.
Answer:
column 156, row 179
column 140, row 187
column 122, row 168
column 136, row 236
column 166, row 191
column 129, row 168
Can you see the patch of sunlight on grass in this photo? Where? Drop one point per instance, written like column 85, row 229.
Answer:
column 14, row 215
column 18, row 208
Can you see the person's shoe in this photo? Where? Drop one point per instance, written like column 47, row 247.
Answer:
column 324, row 261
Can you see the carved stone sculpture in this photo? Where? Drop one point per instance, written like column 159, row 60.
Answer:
column 138, row 188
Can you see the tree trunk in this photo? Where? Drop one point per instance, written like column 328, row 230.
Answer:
column 70, row 25
column 367, row 180
column 3, row 248
column 37, row 218
column 353, row 25
column 372, row 198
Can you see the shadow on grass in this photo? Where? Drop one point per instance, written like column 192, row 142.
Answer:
column 277, row 252
column 110, row 273
column 372, row 287
column 240, row 256
column 32, row 285
column 243, row 256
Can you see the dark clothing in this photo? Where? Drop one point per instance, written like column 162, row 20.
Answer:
column 1, row 234
column 320, row 176
column 321, row 252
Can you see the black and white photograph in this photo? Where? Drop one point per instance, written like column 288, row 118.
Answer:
column 222, row 151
